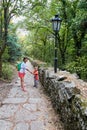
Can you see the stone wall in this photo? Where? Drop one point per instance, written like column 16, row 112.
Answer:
column 66, row 100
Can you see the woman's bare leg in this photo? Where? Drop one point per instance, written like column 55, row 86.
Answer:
column 22, row 84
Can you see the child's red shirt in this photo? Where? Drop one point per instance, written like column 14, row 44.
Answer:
column 36, row 74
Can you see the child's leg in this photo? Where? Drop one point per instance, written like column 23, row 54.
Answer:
column 35, row 83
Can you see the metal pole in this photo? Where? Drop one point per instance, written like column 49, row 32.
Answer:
column 55, row 59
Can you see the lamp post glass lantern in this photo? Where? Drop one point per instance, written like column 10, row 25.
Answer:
column 56, row 22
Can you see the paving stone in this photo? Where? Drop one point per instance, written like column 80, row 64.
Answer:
column 37, row 125
column 17, row 93
column 24, row 115
column 7, row 111
column 30, row 107
column 15, row 100
column 35, row 100
column 22, row 126
column 13, row 92
column 34, row 94
column 5, row 125
column 41, row 106
column 22, row 95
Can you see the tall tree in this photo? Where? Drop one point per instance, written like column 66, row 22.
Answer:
column 8, row 9
column 79, row 28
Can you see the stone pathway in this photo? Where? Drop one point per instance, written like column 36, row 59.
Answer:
column 29, row 110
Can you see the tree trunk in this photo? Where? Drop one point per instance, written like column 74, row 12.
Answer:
column 5, row 25
column 78, row 48
column 1, row 26
column 63, row 58
column 4, row 39
column 0, row 66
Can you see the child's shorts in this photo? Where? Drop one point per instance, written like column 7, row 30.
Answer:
column 21, row 75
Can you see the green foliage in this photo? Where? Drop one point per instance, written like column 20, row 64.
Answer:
column 5, row 56
column 14, row 48
column 39, row 44
column 7, row 71
column 83, row 5
column 78, row 66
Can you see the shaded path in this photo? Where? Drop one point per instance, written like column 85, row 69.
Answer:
column 29, row 110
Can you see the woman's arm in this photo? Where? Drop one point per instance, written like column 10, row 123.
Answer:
column 28, row 70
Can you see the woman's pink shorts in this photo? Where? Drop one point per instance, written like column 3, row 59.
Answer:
column 21, row 75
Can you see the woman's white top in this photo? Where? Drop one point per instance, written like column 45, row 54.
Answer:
column 23, row 67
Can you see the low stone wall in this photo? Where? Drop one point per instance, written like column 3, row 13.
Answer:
column 66, row 100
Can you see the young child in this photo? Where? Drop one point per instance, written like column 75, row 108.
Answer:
column 36, row 76
column 21, row 73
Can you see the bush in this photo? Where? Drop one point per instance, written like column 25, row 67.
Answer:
column 78, row 66
column 7, row 71
column 5, row 56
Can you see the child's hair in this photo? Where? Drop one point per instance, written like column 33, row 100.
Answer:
column 36, row 67
column 25, row 58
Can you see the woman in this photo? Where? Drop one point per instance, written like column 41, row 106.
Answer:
column 21, row 72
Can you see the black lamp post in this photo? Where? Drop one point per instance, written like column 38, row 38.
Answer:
column 56, row 22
